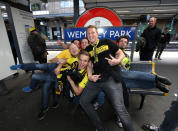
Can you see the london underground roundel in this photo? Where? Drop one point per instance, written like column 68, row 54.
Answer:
column 99, row 16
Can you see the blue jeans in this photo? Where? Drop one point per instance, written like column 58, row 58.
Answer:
column 47, row 75
column 138, row 79
column 133, row 79
column 170, row 122
column 100, row 98
column 76, row 99
column 113, row 91
column 48, row 67
column 48, row 88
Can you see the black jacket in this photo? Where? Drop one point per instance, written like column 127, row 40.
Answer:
column 165, row 38
column 37, row 45
column 152, row 37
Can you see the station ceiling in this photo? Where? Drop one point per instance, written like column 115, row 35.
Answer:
column 133, row 9
column 129, row 9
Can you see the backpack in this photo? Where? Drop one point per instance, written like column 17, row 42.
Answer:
column 141, row 42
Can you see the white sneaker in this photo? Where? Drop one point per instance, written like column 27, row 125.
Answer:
column 96, row 106
column 119, row 123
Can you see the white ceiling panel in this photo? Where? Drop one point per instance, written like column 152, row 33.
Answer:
column 135, row 8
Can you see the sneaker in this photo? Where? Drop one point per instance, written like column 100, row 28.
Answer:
column 119, row 123
column 27, row 89
column 42, row 114
column 54, row 106
column 15, row 75
column 96, row 106
column 15, row 67
column 150, row 127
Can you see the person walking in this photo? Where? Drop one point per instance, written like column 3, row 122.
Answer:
column 165, row 38
column 152, row 36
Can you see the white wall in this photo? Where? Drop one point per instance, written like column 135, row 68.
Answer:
column 6, row 56
column 23, row 21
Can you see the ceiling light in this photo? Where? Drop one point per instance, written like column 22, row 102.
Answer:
column 41, row 12
column 134, row 15
column 3, row 7
column 168, row 14
column 155, row 14
column 164, row 10
column 122, row 11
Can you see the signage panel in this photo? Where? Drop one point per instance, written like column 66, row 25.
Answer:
column 112, row 33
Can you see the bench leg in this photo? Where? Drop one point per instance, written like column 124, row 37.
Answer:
column 142, row 101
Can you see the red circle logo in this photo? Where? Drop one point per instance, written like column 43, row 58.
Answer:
column 99, row 12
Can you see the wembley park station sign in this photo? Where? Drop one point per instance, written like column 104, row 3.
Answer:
column 112, row 33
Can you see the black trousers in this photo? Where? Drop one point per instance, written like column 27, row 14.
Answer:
column 160, row 49
column 114, row 92
column 146, row 54
column 170, row 122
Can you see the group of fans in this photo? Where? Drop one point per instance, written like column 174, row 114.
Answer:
column 83, row 72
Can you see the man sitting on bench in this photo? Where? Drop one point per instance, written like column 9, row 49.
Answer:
column 134, row 79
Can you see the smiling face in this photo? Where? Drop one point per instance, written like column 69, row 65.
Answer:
column 77, row 43
column 83, row 61
column 123, row 43
column 84, row 43
column 92, row 34
column 74, row 50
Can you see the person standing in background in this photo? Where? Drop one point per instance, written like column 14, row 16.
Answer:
column 37, row 45
column 152, row 36
column 165, row 38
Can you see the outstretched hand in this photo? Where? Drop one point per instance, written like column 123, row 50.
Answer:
column 59, row 42
column 69, row 78
column 113, row 61
column 94, row 78
column 56, row 71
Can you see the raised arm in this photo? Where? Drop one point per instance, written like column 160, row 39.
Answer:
column 65, row 46
column 116, row 60
column 58, row 68
column 91, row 77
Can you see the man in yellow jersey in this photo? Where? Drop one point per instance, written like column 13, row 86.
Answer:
column 66, row 46
column 48, row 69
column 73, row 78
column 62, row 55
column 65, row 54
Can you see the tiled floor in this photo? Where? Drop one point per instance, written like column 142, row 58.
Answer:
column 19, row 110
